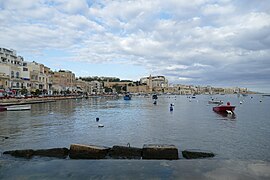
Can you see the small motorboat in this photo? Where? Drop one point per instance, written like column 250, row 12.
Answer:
column 224, row 108
column 215, row 102
column 3, row 108
column 127, row 97
column 100, row 125
column 18, row 107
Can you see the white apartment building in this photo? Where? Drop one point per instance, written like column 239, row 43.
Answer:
column 17, row 74
column 11, row 66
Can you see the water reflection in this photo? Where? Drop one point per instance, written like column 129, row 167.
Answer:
column 227, row 116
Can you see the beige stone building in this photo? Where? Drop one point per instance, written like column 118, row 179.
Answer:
column 10, row 66
column 64, row 80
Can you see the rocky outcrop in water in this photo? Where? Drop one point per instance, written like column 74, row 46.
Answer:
column 54, row 152
column 160, row 151
column 79, row 151
column 28, row 153
column 125, row 152
column 196, row 154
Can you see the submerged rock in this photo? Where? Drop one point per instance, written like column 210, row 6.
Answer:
column 195, row 154
column 160, row 151
column 54, row 152
column 26, row 153
column 124, row 152
column 79, row 151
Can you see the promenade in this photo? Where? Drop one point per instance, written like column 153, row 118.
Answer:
column 35, row 100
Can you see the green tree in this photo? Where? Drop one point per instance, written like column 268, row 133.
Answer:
column 24, row 91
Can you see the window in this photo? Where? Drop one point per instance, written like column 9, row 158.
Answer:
column 17, row 74
column 12, row 74
column 25, row 69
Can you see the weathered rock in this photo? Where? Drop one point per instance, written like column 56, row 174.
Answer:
column 159, row 151
column 54, row 152
column 195, row 154
column 79, row 151
column 124, row 152
column 26, row 153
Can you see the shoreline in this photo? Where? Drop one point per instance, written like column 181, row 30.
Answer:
column 36, row 100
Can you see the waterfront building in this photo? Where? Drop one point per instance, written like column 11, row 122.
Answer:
column 155, row 83
column 96, row 87
column 119, row 86
column 82, row 86
column 138, row 89
column 10, row 66
column 4, row 81
column 39, row 77
column 64, row 80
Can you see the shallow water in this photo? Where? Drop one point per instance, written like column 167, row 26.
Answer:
column 191, row 125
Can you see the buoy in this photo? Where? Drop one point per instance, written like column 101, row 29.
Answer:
column 260, row 100
column 97, row 119
column 100, row 125
column 241, row 102
column 171, row 108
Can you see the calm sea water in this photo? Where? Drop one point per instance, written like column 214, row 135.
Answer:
column 191, row 125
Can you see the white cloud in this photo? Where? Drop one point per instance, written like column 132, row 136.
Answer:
column 199, row 41
column 217, row 9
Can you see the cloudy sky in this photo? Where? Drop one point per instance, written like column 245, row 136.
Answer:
column 223, row 43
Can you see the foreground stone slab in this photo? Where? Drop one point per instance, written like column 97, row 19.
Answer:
column 54, row 152
column 159, row 151
column 195, row 154
column 26, row 153
column 124, row 152
column 79, row 151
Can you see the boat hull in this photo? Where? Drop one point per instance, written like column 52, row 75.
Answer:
column 3, row 109
column 215, row 102
column 127, row 97
column 223, row 108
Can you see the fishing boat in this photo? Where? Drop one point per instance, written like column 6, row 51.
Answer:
column 215, row 102
column 127, row 97
column 224, row 108
column 18, row 107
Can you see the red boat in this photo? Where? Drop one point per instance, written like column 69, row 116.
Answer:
column 224, row 108
column 3, row 108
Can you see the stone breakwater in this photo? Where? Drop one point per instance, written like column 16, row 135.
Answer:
column 80, row 151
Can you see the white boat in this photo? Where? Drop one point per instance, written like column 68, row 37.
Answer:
column 18, row 107
column 215, row 102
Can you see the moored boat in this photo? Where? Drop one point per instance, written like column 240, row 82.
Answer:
column 224, row 108
column 18, row 107
column 215, row 102
column 127, row 97
column 3, row 108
